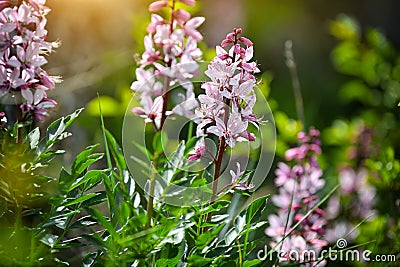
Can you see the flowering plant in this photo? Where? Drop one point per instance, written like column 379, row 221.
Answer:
column 299, row 224
column 23, row 45
column 101, row 211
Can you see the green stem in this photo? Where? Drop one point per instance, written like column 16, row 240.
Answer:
column 150, row 203
column 291, row 64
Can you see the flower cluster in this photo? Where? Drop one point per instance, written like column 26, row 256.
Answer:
column 298, row 185
column 356, row 198
column 226, row 108
column 23, row 46
column 171, row 55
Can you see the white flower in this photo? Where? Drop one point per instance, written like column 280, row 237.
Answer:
column 146, row 83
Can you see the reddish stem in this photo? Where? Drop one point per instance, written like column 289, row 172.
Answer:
column 217, row 168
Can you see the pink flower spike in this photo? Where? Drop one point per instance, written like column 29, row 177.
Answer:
column 188, row 2
column 157, row 5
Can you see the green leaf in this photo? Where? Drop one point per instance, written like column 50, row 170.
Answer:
column 144, row 150
column 98, row 199
column 169, row 260
column 34, row 137
column 206, row 238
column 57, row 128
column 116, row 151
column 84, row 222
column 198, row 261
column 255, row 207
column 216, row 206
column 49, row 239
column 160, row 138
column 250, row 263
column 89, row 259
column 69, row 201
column 69, row 244
column 85, row 159
column 102, row 219
column 175, row 162
column 91, row 177
column 56, row 132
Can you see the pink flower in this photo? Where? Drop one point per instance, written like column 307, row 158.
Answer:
column 171, row 48
column 146, row 83
column 37, row 103
column 181, row 16
column 156, row 20
column 283, row 173
column 190, row 28
column 240, row 91
column 277, row 224
column 199, row 150
column 22, row 56
column 298, row 185
column 246, row 41
column 237, row 181
column 151, row 111
column 150, row 55
column 6, row 3
column 187, row 105
column 231, row 131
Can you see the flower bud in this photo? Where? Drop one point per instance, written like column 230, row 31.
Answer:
column 157, row 5
column 246, row 41
column 188, row 2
